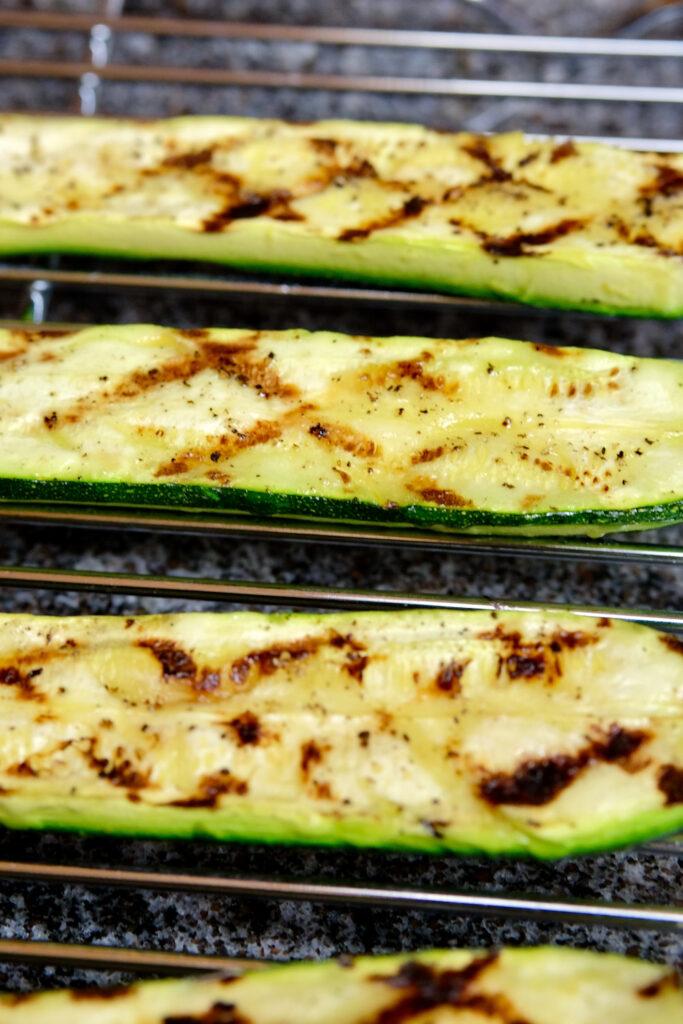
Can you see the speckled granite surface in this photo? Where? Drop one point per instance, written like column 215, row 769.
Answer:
column 214, row 924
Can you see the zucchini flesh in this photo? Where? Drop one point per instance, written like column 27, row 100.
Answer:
column 541, row 985
column 531, row 733
column 484, row 435
column 576, row 225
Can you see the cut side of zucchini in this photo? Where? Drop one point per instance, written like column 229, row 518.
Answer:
column 574, row 225
column 541, row 985
column 533, row 733
column 485, row 435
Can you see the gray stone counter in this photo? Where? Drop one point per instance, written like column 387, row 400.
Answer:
column 281, row 930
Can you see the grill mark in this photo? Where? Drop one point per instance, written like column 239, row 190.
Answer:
column 119, row 772
column 480, row 151
column 211, row 787
column 412, row 207
column 427, row 455
column 670, row 980
column 261, row 432
column 175, row 662
column 449, row 676
column 111, row 992
column 674, row 643
column 347, row 438
column 670, row 782
column 189, row 161
column 536, row 782
column 551, row 350
column 427, row 989
column 441, row 496
column 668, row 182
column 247, row 729
column 563, row 151
column 270, row 659
column 11, row 675
column 518, row 244
column 311, row 754
column 249, row 205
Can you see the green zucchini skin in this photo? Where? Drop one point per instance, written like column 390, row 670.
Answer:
column 526, row 734
column 482, row 435
column 539, row 985
column 575, row 225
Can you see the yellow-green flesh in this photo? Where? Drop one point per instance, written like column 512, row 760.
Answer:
column 528, row 986
column 575, row 225
column 510, row 733
column 480, row 434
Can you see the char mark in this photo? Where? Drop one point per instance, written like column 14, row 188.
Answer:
column 674, row 643
column 564, row 150
column 310, row 754
column 247, row 729
column 668, row 182
column 211, row 787
column 520, row 242
column 444, row 497
column 412, row 207
column 425, row 989
column 480, row 151
column 13, row 676
column 537, row 782
column 449, row 676
column 188, row 161
column 249, row 205
column 670, row 782
column 269, row 659
column 119, row 771
column 175, row 662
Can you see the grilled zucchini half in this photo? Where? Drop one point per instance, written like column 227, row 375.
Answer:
column 575, row 225
column 481, row 435
column 541, row 985
column 535, row 733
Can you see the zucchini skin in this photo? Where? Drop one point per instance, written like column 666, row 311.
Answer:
column 537, row 985
column 483, row 435
column 530, row 734
column 574, row 226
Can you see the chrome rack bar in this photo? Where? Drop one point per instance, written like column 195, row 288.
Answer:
column 192, row 588
column 351, row 83
column 619, row 915
column 435, row 40
column 116, row 958
column 339, row 533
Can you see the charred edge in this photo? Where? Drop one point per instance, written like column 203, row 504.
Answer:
column 668, row 182
column 519, row 243
column 670, row 782
column 12, row 676
column 175, row 662
column 219, row 1013
column 537, row 782
column 426, row 989
column 449, row 676
column 412, row 207
column 480, row 151
column 563, row 151
column 211, row 787
column 310, row 754
column 247, row 729
column 674, row 643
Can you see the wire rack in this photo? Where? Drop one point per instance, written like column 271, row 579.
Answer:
column 84, row 58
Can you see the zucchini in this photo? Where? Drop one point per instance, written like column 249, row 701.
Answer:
column 536, row 733
column 482, row 435
column 574, row 225
column 541, row 985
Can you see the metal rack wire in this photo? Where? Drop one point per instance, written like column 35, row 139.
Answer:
column 42, row 277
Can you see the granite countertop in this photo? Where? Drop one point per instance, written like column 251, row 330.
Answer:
column 282, row 929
